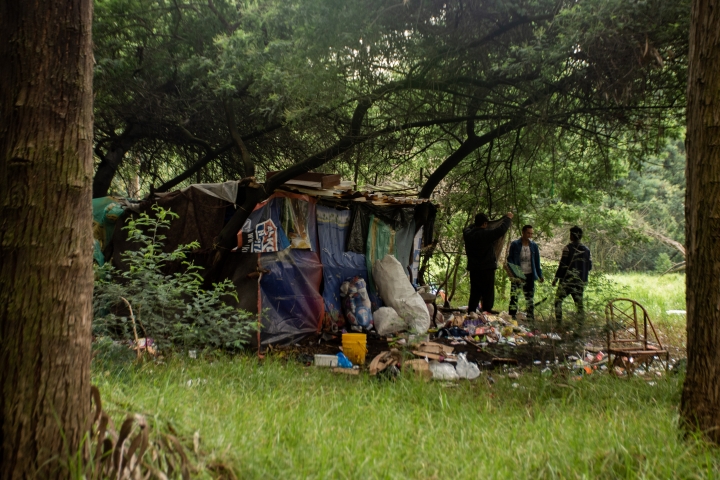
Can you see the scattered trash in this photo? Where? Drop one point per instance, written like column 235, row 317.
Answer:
column 419, row 366
column 147, row 344
column 326, row 360
column 346, row 371
column 514, row 375
column 192, row 353
column 195, row 382
column 355, row 347
column 356, row 302
column 343, row 361
column 515, row 385
column 383, row 361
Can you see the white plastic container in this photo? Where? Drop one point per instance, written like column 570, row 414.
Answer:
column 326, row 360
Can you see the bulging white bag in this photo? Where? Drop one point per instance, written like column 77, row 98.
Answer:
column 387, row 321
column 442, row 371
column 466, row 369
column 397, row 292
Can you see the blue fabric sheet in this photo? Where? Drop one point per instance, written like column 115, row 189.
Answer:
column 290, row 295
column 290, row 303
column 333, row 227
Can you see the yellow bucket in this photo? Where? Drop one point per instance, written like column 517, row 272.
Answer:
column 354, row 347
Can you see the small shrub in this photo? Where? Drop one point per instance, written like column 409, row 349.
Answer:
column 173, row 309
column 663, row 263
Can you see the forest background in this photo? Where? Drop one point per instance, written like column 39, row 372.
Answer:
column 563, row 114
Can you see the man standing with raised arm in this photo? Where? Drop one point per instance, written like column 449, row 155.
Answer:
column 482, row 262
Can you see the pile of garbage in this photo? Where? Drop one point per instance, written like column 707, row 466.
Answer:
column 485, row 329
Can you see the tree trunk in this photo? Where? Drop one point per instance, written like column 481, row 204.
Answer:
column 701, row 391
column 45, row 234
column 111, row 161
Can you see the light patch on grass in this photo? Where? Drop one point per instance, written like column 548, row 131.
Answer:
column 656, row 293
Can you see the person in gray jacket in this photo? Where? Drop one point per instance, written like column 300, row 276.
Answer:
column 525, row 254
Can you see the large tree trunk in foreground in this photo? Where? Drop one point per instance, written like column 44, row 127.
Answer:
column 701, row 392
column 45, row 233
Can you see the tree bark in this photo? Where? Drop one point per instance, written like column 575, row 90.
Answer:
column 701, row 391
column 45, row 234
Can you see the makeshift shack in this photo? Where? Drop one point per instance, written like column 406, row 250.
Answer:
column 297, row 247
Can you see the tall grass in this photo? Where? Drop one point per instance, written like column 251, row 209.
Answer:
column 657, row 293
column 283, row 420
column 279, row 419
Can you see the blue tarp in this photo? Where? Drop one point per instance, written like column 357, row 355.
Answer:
column 282, row 230
column 333, row 227
column 291, row 304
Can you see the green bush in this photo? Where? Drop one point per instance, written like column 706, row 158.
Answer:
column 663, row 263
column 172, row 309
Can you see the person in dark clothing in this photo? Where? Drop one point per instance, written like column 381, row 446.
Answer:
column 525, row 254
column 482, row 263
column 575, row 264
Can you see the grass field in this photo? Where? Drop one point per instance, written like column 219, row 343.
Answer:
column 657, row 293
column 280, row 419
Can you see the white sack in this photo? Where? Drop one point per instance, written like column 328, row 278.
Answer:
column 443, row 371
column 466, row 369
column 387, row 321
column 397, row 292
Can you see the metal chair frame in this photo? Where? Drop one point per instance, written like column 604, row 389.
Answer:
column 630, row 344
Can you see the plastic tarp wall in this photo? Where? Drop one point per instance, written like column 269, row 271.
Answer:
column 289, row 299
column 333, row 229
column 106, row 211
column 382, row 239
column 290, row 302
column 416, row 248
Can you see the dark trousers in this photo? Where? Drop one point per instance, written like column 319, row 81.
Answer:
column 528, row 289
column 576, row 291
column 482, row 288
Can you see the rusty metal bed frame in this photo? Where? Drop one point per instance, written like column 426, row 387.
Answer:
column 632, row 340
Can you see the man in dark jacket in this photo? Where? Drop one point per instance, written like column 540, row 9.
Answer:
column 575, row 264
column 482, row 263
column 526, row 255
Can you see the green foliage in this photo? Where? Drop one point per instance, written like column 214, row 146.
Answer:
column 663, row 263
column 171, row 308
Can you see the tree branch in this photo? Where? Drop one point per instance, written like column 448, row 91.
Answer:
column 248, row 164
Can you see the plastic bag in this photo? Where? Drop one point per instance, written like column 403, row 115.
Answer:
column 397, row 292
column 356, row 302
column 343, row 361
column 466, row 369
column 443, row 371
column 387, row 321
